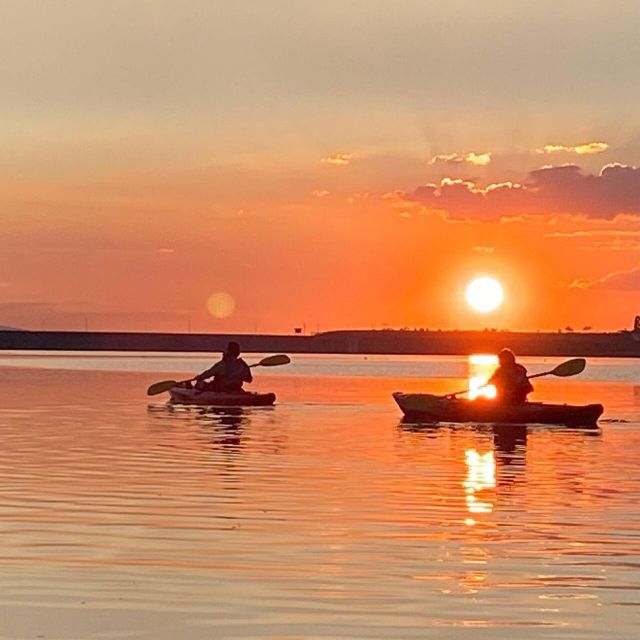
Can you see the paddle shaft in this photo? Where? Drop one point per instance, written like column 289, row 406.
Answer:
column 568, row 368
column 255, row 364
column 269, row 361
column 538, row 375
column 486, row 384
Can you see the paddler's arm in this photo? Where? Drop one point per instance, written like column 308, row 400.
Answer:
column 524, row 380
column 246, row 373
column 210, row 372
column 243, row 374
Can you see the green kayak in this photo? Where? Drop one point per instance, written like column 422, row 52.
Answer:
column 180, row 395
column 431, row 408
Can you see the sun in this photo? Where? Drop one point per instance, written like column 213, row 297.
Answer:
column 484, row 294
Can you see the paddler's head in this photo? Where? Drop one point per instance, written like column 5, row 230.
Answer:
column 232, row 350
column 506, row 358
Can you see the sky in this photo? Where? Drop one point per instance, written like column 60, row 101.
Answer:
column 260, row 166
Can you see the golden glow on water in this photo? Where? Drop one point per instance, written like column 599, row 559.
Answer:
column 481, row 366
column 484, row 359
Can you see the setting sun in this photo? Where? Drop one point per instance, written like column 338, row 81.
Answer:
column 484, row 294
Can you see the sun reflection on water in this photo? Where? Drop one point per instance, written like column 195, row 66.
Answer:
column 481, row 366
column 481, row 475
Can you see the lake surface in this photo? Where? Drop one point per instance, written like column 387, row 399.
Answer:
column 322, row 517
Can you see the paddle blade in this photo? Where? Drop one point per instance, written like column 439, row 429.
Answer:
column 273, row 361
column 570, row 368
column 161, row 387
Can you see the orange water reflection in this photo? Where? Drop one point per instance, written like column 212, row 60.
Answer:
column 325, row 498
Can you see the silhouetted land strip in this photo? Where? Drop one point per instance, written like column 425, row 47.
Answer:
column 620, row 344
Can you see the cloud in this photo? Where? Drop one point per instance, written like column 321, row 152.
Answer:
column 551, row 189
column 338, row 159
column 615, row 244
column 476, row 159
column 319, row 193
column 592, row 233
column 585, row 149
column 26, row 306
column 616, row 281
column 603, row 239
column 235, row 214
column 481, row 249
column 357, row 196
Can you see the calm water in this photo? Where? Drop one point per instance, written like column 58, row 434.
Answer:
column 323, row 517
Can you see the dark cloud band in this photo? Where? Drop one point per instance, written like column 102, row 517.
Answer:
column 554, row 189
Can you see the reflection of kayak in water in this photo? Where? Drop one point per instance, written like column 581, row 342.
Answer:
column 180, row 395
column 430, row 408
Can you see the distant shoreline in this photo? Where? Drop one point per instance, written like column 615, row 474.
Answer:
column 370, row 342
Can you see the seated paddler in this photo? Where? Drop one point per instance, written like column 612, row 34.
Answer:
column 227, row 375
column 510, row 379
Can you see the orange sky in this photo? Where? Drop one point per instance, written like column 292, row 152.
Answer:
column 316, row 167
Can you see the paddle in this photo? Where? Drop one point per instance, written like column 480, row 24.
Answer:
column 269, row 361
column 565, row 369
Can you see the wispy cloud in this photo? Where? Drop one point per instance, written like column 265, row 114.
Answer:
column 235, row 214
column 602, row 239
column 319, row 193
column 593, row 233
column 26, row 305
column 339, row 159
column 585, row 149
column 481, row 249
column 355, row 197
column 616, row 281
column 476, row 159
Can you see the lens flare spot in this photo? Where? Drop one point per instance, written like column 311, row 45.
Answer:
column 221, row 305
